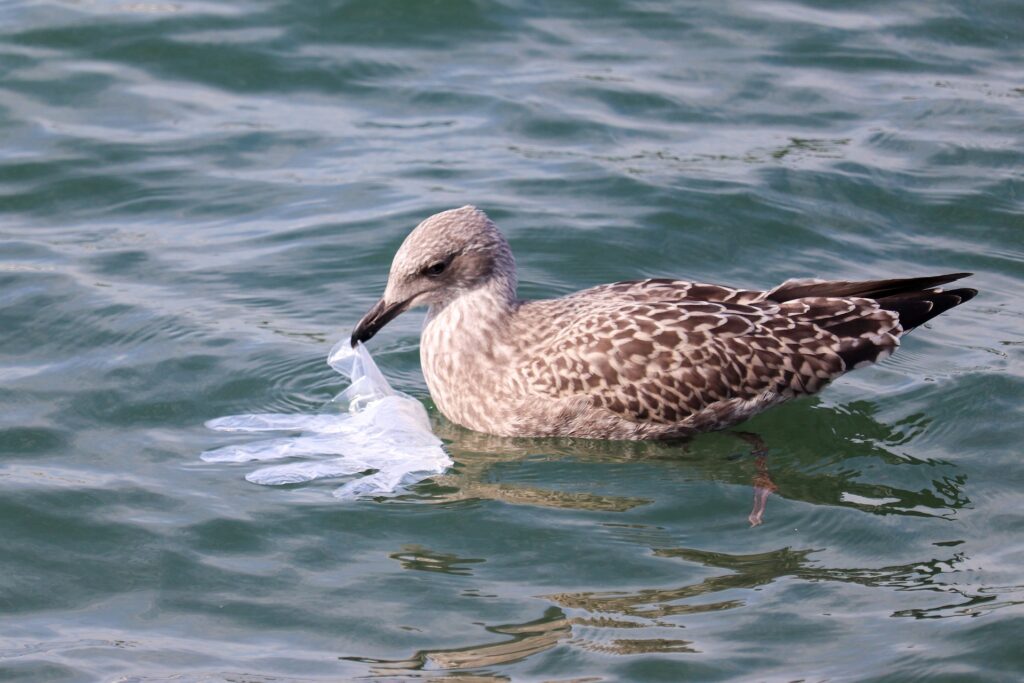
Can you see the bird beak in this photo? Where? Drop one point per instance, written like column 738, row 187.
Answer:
column 377, row 317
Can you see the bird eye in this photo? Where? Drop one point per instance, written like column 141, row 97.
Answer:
column 435, row 269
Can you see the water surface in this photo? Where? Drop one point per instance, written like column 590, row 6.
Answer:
column 198, row 198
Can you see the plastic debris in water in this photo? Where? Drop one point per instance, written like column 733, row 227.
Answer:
column 380, row 436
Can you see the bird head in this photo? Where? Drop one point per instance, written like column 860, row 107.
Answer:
column 446, row 255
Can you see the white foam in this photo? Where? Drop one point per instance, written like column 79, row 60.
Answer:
column 371, row 432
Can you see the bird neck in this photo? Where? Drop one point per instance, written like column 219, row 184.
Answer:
column 465, row 343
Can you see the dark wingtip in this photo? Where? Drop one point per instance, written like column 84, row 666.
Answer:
column 966, row 293
column 953, row 277
column 917, row 308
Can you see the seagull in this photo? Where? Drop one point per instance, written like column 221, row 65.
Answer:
column 644, row 359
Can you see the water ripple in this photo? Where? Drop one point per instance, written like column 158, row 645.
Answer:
column 197, row 197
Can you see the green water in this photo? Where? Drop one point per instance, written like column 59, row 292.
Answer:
column 197, row 198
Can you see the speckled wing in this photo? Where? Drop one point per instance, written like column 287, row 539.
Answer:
column 664, row 351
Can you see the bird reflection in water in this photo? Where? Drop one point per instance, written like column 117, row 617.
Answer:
column 835, row 466
column 758, row 569
column 829, row 469
column 644, row 621
column 481, row 452
column 519, row 641
column 478, row 454
column 416, row 557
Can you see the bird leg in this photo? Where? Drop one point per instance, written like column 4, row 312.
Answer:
column 762, row 481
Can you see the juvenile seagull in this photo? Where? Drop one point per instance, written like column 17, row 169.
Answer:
column 646, row 359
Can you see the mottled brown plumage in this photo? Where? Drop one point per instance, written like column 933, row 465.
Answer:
column 650, row 359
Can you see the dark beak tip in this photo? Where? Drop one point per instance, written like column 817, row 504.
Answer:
column 377, row 317
column 362, row 333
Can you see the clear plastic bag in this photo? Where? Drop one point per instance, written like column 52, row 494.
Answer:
column 377, row 435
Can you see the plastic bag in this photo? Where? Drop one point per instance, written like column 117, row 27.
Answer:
column 377, row 435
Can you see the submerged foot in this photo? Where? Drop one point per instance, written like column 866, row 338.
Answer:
column 762, row 481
